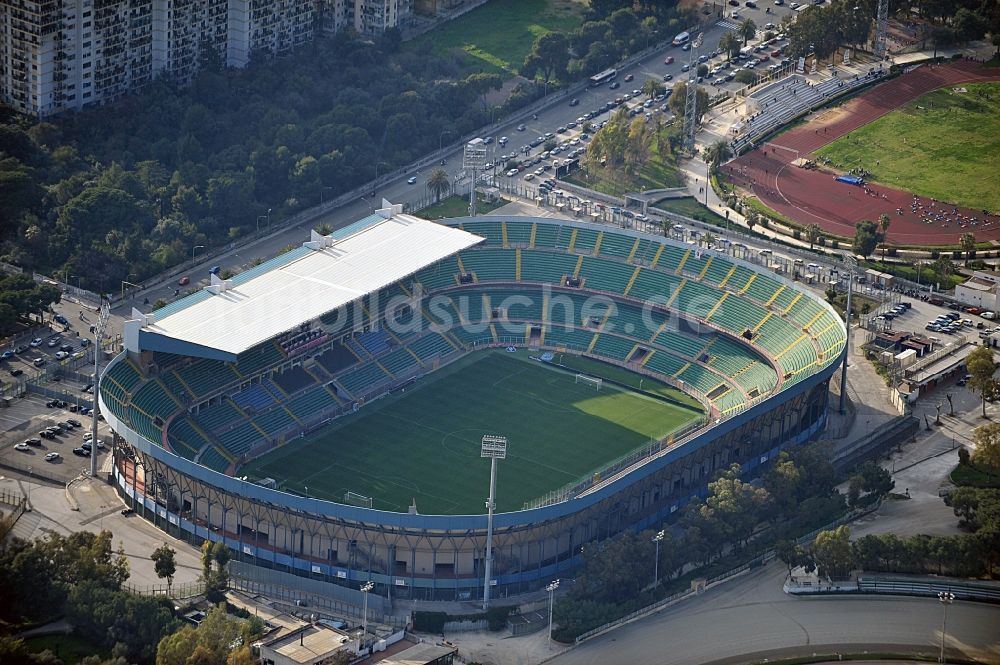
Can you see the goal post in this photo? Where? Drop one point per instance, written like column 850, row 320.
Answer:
column 355, row 499
column 590, row 380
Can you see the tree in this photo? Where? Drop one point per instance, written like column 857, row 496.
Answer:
column 866, row 238
column 439, row 184
column 678, row 100
column 981, row 368
column 813, row 234
column 651, row 88
column 751, row 217
column 717, row 153
column 730, row 44
column 986, row 439
column 968, row 242
column 746, row 29
column 832, row 552
column 737, row 504
column 549, row 56
column 164, row 564
column 883, row 225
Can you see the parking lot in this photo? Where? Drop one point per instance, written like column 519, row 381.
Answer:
column 40, row 348
column 23, row 445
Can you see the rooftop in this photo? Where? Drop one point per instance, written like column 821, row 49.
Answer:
column 419, row 654
column 309, row 643
column 231, row 316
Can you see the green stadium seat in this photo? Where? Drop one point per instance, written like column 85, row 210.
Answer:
column 518, row 233
column 585, row 241
column 616, row 244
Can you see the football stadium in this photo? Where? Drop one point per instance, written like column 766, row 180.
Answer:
column 323, row 412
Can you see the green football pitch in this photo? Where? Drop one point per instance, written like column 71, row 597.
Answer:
column 941, row 145
column 422, row 443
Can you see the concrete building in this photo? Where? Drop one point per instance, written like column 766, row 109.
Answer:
column 377, row 16
column 980, row 290
column 308, row 645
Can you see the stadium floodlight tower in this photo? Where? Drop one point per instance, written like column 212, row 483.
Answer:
column 473, row 161
column 494, row 447
column 691, row 102
column 851, row 264
column 881, row 28
column 99, row 328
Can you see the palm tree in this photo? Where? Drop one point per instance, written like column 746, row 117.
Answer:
column 439, row 184
column 747, row 29
column 728, row 43
column 968, row 242
column 717, row 153
column 883, row 225
column 651, row 88
column 813, row 234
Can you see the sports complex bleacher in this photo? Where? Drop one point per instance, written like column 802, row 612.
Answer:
column 723, row 331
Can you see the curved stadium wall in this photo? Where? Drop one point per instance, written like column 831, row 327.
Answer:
column 439, row 557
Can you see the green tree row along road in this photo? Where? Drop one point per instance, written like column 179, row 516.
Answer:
column 120, row 193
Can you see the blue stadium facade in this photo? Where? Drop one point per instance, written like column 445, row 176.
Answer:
column 177, row 457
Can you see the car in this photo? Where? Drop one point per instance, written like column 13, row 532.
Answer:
column 87, row 445
column 686, row 68
column 529, row 176
column 614, row 85
column 68, row 348
column 521, row 128
column 669, row 60
column 668, row 77
column 23, row 447
column 734, row 14
column 549, row 135
column 215, row 270
column 65, row 426
column 502, row 140
column 751, row 4
column 793, row 5
column 61, row 355
column 769, row 26
column 702, row 58
column 52, row 457
column 74, row 423
column 734, row 3
column 184, row 281
column 561, row 129
column 35, row 342
column 21, row 349
column 779, row 2
column 6, row 355
column 53, row 343
column 59, row 318
column 511, row 173
column 38, row 362
column 82, row 452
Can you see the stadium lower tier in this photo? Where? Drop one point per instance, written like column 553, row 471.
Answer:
column 756, row 350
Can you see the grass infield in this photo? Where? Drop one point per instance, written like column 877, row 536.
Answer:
column 497, row 36
column 423, row 442
column 941, row 145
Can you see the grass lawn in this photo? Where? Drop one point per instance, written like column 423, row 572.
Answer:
column 497, row 36
column 971, row 475
column 458, row 206
column 70, row 648
column 423, row 443
column 659, row 172
column 941, row 145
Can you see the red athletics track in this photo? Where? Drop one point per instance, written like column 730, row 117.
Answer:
column 814, row 197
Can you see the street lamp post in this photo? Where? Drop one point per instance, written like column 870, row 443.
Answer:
column 195, row 248
column 551, row 588
column 366, row 588
column 946, row 598
column 656, row 563
column 28, row 506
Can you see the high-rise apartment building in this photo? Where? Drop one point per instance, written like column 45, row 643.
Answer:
column 57, row 55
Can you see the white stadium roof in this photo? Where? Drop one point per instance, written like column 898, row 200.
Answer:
column 326, row 273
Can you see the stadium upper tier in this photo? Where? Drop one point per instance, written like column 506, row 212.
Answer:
column 724, row 331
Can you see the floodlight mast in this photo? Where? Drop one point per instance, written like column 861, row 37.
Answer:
column 851, row 264
column 494, row 447
column 691, row 100
column 99, row 328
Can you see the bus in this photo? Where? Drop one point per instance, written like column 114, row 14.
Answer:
column 682, row 39
column 603, row 77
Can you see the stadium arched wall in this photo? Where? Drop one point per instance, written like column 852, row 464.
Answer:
column 439, row 557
